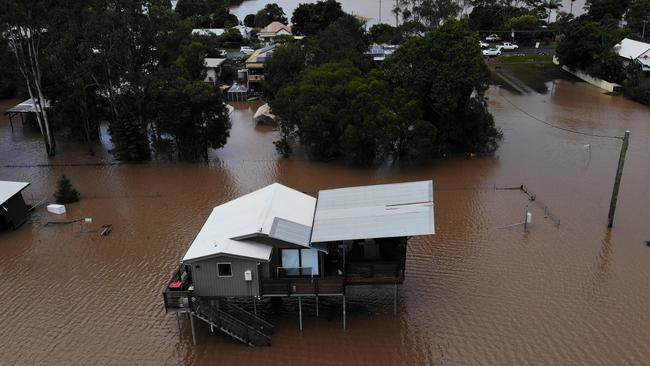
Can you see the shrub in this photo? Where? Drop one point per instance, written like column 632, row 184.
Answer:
column 65, row 192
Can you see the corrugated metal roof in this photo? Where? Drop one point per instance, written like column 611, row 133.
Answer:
column 379, row 211
column 631, row 49
column 27, row 107
column 8, row 189
column 291, row 232
column 213, row 62
column 248, row 216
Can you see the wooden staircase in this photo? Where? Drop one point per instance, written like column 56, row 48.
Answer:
column 234, row 321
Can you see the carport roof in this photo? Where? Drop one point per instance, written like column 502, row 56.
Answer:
column 378, row 211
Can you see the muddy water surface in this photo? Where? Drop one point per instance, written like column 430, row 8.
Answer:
column 474, row 293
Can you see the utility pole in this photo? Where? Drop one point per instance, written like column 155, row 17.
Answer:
column 379, row 22
column 617, row 181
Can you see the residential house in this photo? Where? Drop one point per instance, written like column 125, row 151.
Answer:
column 268, row 33
column 277, row 242
column 630, row 50
column 255, row 63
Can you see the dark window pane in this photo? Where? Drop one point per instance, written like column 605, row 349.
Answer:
column 224, row 269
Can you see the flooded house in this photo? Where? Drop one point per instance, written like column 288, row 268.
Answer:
column 277, row 242
column 13, row 209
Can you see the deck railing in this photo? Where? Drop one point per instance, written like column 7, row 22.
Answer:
column 302, row 286
column 176, row 300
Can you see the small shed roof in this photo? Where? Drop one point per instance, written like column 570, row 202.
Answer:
column 379, row 211
column 275, row 211
column 8, row 189
column 213, row 62
column 26, row 107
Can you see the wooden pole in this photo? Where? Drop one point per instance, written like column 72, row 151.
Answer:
column 344, row 321
column 11, row 122
column 317, row 306
column 178, row 323
column 395, row 300
column 192, row 326
column 617, row 181
column 300, row 311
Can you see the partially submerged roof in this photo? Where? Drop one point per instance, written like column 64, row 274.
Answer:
column 274, row 211
column 213, row 62
column 8, row 189
column 27, row 107
column 379, row 211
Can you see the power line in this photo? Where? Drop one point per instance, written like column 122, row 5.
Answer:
column 558, row 127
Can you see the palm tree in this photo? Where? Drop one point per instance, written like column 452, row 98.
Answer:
column 551, row 5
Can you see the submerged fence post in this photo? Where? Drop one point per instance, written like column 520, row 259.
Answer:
column 617, row 180
column 395, row 300
column 300, row 311
column 192, row 326
column 344, row 323
column 178, row 323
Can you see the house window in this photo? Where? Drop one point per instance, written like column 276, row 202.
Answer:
column 224, row 270
column 300, row 262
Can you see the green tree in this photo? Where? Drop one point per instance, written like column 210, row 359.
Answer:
column 598, row 10
column 282, row 67
column 344, row 39
column 528, row 23
column 269, row 14
column 192, row 61
column 452, row 97
column 385, row 33
column 336, row 112
column 65, row 192
column 249, row 20
column 309, row 19
column 192, row 112
column 638, row 12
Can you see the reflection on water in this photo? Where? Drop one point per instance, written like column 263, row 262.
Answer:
column 474, row 294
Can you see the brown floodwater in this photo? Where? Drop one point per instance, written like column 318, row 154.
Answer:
column 474, row 293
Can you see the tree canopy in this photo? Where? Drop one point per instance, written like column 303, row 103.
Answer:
column 309, row 19
column 269, row 14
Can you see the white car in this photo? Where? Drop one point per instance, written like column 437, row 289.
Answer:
column 507, row 46
column 484, row 44
column 493, row 38
column 246, row 50
column 492, row 52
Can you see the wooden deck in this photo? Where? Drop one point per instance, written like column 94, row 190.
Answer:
column 303, row 286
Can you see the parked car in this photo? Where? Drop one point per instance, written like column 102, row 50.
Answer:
column 507, row 46
column 484, row 44
column 246, row 50
column 492, row 52
column 493, row 38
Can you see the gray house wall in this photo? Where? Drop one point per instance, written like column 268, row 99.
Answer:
column 14, row 212
column 208, row 283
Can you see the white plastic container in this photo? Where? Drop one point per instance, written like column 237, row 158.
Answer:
column 56, row 209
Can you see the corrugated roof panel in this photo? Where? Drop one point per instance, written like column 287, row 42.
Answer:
column 380, row 211
column 290, row 231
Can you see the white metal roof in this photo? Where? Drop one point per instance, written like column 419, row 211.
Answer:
column 379, row 211
column 9, row 189
column 27, row 107
column 631, row 49
column 250, row 215
column 213, row 62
